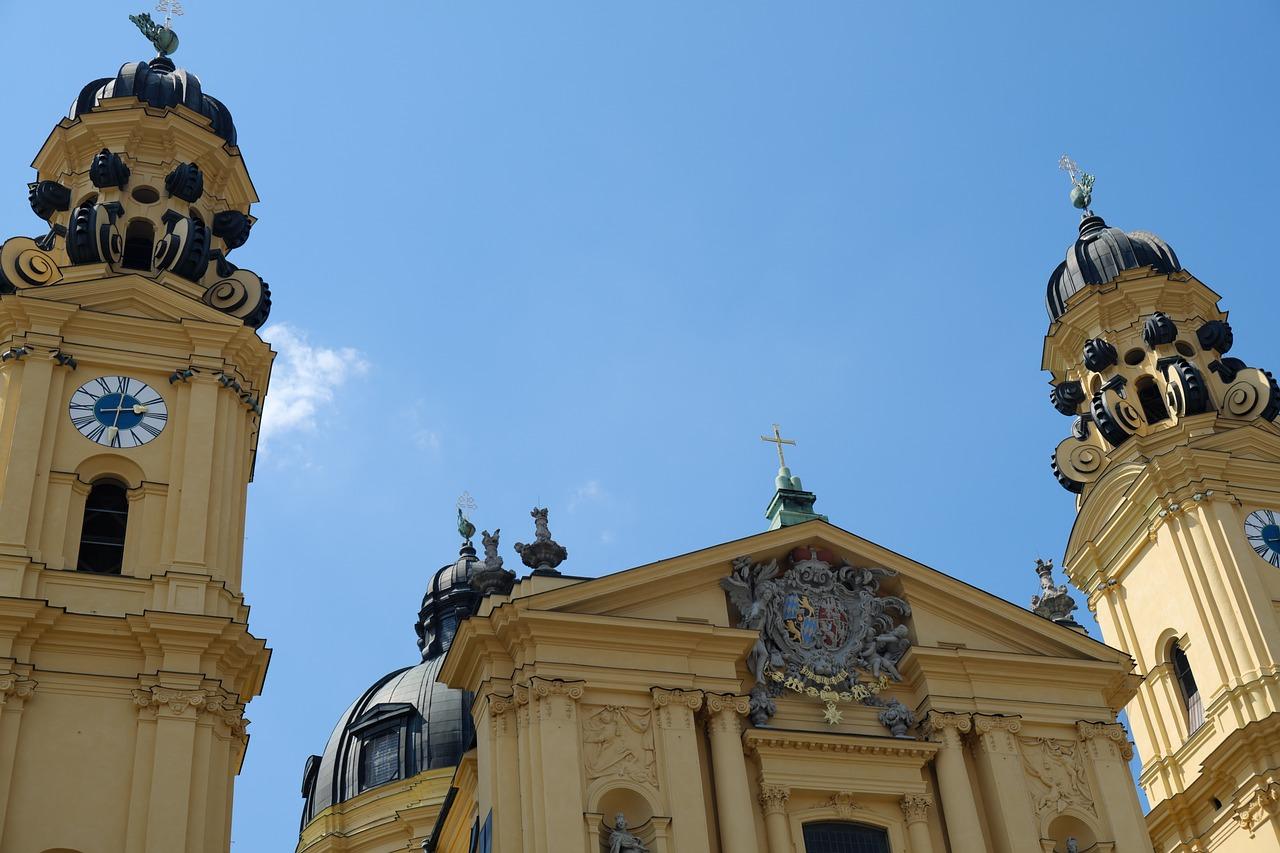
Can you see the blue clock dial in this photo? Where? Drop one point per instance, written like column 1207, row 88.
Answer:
column 1262, row 528
column 117, row 411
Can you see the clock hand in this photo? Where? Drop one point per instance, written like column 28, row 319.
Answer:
column 139, row 409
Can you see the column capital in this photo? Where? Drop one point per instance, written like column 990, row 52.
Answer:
column 501, row 703
column 1105, row 740
column 773, row 799
column 17, row 686
column 997, row 732
column 724, row 710
column 555, row 697
column 676, row 707
column 915, row 807
column 167, row 702
column 946, row 727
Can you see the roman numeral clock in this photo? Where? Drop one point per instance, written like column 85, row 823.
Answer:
column 117, row 411
column 1262, row 527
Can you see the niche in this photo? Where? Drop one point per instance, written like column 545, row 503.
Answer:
column 1151, row 400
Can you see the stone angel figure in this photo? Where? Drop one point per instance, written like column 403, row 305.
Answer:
column 622, row 840
column 751, row 589
column 882, row 653
column 491, row 558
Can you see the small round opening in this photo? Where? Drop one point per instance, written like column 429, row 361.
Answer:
column 1217, row 804
column 1134, row 357
column 146, row 195
column 1185, row 349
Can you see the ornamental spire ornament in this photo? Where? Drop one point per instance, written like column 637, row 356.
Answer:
column 465, row 528
column 544, row 553
column 1054, row 602
column 161, row 36
column 1081, row 184
column 791, row 504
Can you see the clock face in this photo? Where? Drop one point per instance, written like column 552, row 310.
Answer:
column 1263, row 529
column 116, row 411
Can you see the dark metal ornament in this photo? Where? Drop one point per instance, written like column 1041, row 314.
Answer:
column 233, row 227
column 92, row 235
column 185, row 247
column 1159, row 329
column 186, row 182
column 108, row 170
column 1099, row 355
column 1067, row 397
column 1215, row 335
column 48, row 197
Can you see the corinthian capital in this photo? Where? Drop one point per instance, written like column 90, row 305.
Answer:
column 773, row 799
column 915, row 807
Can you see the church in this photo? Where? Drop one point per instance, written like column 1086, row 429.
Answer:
column 802, row 690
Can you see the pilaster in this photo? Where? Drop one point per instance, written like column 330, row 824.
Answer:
column 15, row 690
column 1004, row 785
column 504, row 763
column 560, row 778
column 674, row 712
column 1106, row 746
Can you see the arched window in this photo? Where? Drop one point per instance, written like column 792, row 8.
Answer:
column 1153, row 408
column 844, row 838
column 106, row 515
column 1187, row 686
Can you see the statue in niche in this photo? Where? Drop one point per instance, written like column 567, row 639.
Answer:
column 617, row 742
column 1073, row 846
column 622, row 840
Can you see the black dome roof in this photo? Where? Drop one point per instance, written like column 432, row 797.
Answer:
column 432, row 719
column 1099, row 255
column 159, row 84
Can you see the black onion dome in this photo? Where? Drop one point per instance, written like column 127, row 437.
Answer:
column 1099, row 255
column 159, row 84
column 430, row 721
column 432, row 724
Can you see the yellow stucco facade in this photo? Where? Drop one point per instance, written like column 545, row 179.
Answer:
column 123, row 679
column 643, row 708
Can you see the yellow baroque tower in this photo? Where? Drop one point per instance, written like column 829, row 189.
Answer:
column 1175, row 458
column 131, row 384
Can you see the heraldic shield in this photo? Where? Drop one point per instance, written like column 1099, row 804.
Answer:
column 820, row 626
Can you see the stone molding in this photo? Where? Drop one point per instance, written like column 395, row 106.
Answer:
column 947, row 728
column 773, row 799
column 1105, row 740
column 18, row 686
column 1263, row 803
column 996, row 733
column 759, row 739
column 676, row 707
column 501, row 719
column 915, row 807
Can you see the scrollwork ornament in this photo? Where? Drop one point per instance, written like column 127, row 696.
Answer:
column 1099, row 355
column 1077, row 463
column 242, row 294
column 1215, row 335
column 108, row 170
column 92, row 234
column 185, row 248
column 23, row 264
column 843, row 804
column 186, row 182
column 1159, row 329
column 14, row 685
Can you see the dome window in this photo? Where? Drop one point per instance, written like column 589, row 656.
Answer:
column 382, row 734
column 106, row 516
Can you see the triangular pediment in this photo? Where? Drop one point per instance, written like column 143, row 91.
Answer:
column 132, row 296
column 946, row 613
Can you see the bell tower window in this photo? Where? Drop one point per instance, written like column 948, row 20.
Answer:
column 1153, row 408
column 106, row 515
column 1187, row 686
column 139, row 245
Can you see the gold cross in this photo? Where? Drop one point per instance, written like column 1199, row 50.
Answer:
column 779, row 440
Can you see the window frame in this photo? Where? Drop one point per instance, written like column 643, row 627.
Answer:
column 828, row 823
column 377, row 721
column 85, row 517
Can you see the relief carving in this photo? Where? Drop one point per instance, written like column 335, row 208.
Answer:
column 1261, row 804
column 1057, row 776
column 12, row 684
column 618, row 741
column 773, row 799
column 843, row 804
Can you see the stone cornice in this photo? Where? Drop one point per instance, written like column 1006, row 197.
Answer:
column 762, row 741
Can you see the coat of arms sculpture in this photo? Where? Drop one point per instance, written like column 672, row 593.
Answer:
column 820, row 626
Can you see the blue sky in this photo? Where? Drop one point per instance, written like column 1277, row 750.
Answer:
column 583, row 254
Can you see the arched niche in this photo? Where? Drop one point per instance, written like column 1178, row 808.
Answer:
column 635, row 802
column 1070, row 824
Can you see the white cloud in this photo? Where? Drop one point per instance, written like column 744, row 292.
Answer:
column 304, row 378
column 588, row 492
